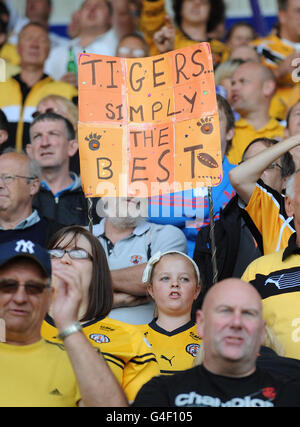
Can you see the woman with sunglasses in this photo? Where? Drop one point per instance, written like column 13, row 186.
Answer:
column 173, row 281
column 77, row 255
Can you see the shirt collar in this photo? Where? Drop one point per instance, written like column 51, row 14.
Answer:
column 59, row 193
column 99, row 229
column 292, row 248
column 27, row 222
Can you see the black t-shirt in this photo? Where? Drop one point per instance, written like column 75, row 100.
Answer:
column 198, row 387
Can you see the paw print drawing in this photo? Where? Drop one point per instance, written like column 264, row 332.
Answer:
column 205, row 125
column 93, row 140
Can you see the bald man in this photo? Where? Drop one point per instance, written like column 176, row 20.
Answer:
column 253, row 87
column 232, row 329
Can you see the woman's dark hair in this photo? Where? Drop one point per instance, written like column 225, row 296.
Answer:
column 100, row 290
column 216, row 15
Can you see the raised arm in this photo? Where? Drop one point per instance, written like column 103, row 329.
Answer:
column 97, row 384
column 244, row 176
column 123, row 21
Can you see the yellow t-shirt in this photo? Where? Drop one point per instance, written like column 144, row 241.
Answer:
column 153, row 19
column 267, row 211
column 124, row 348
column 36, row 375
column 175, row 351
column 245, row 133
column 276, row 278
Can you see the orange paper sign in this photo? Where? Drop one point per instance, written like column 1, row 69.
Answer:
column 148, row 126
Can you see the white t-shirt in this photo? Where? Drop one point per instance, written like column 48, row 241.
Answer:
column 56, row 63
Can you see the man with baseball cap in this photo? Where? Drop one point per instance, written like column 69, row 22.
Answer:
column 35, row 372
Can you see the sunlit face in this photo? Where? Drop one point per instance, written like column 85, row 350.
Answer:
column 174, row 285
column 82, row 267
column 37, row 10
column 17, row 193
column 289, row 20
column 33, row 45
column 247, row 87
column 23, row 313
column 50, row 146
column 231, row 325
column 94, row 14
column 195, row 11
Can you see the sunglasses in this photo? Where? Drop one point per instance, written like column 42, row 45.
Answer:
column 10, row 286
column 73, row 253
column 38, row 113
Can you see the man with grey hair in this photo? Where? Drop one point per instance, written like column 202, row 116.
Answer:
column 129, row 240
column 276, row 276
column 19, row 183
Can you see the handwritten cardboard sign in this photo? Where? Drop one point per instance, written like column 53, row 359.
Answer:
column 149, row 124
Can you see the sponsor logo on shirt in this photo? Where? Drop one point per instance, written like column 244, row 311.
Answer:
column 99, row 338
column 285, row 280
column 135, row 259
column 193, row 399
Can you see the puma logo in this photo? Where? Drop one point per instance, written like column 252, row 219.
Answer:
column 168, row 360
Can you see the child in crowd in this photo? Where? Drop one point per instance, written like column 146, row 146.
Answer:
column 174, row 283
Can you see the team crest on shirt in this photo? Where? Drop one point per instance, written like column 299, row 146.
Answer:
column 192, row 349
column 99, row 338
column 135, row 259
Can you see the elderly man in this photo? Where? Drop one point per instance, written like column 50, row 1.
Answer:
column 68, row 375
column 129, row 241
column 253, row 86
column 21, row 93
column 276, row 277
column 232, row 328
column 53, row 143
column 19, row 183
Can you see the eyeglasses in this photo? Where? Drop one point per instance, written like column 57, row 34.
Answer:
column 136, row 53
column 273, row 166
column 9, row 179
column 10, row 286
column 73, row 253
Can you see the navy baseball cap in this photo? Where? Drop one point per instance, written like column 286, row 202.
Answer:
column 25, row 248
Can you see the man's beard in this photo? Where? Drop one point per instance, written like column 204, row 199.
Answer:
column 125, row 223
column 121, row 213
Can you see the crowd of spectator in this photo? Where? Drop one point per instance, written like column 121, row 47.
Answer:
column 197, row 307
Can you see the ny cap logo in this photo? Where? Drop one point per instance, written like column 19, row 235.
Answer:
column 25, row 246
